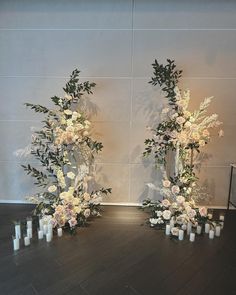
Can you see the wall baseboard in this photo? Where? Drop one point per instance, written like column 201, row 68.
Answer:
column 104, row 204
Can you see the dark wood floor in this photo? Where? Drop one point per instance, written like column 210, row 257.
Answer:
column 116, row 255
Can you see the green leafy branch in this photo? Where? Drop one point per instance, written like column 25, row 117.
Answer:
column 42, row 179
column 167, row 77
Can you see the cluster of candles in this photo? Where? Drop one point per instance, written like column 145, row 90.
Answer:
column 212, row 229
column 45, row 230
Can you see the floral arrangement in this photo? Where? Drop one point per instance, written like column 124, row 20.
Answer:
column 66, row 151
column 180, row 132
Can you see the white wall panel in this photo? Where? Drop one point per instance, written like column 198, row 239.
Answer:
column 57, row 53
column 184, row 14
column 69, row 14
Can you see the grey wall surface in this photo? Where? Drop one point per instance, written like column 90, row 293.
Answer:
column 114, row 43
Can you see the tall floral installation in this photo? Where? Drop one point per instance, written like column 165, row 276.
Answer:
column 183, row 134
column 65, row 149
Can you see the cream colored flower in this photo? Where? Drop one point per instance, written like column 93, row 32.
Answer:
column 70, row 175
column 175, row 231
column 195, row 136
column 68, row 97
column 187, row 124
column 69, row 122
column 52, row 189
column 165, row 203
column 166, row 214
column 203, row 211
column 87, row 213
column 180, row 120
column 202, row 143
column 175, row 189
column 158, row 213
column 153, row 220
column 86, row 197
column 85, row 133
column 205, row 133
column 191, row 213
column 180, row 199
column 166, row 183
column 68, row 112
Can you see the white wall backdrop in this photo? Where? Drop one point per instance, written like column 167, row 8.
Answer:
column 114, row 42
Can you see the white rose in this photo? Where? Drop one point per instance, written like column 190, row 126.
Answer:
column 69, row 122
column 86, row 196
column 191, row 213
column 187, row 124
column 175, row 189
column 166, row 214
column 166, row 183
column 180, row 199
column 180, row 120
column 165, row 203
column 70, row 175
column 203, row 211
column 153, row 220
column 85, row 133
column 174, row 116
column 175, row 231
column 192, row 119
column 160, row 220
column 158, row 213
column 87, row 213
column 68, row 112
column 52, row 188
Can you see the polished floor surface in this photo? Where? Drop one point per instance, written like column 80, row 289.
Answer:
column 117, row 254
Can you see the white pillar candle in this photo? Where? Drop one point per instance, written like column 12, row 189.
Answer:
column 50, row 228
column 172, row 222
column 217, row 233
column 189, row 228
column 222, row 224
column 45, row 229
column 207, row 228
column 199, row 229
column 48, row 237
column 192, row 237
column 41, row 224
column 167, row 229
column 27, row 241
column 29, row 233
column 222, row 218
column 184, row 226
column 211, row 234
column 40, row 234
column 18, row 231
column 29, row 223
column 16, row 244
column 181, row 235
column 59, row 232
